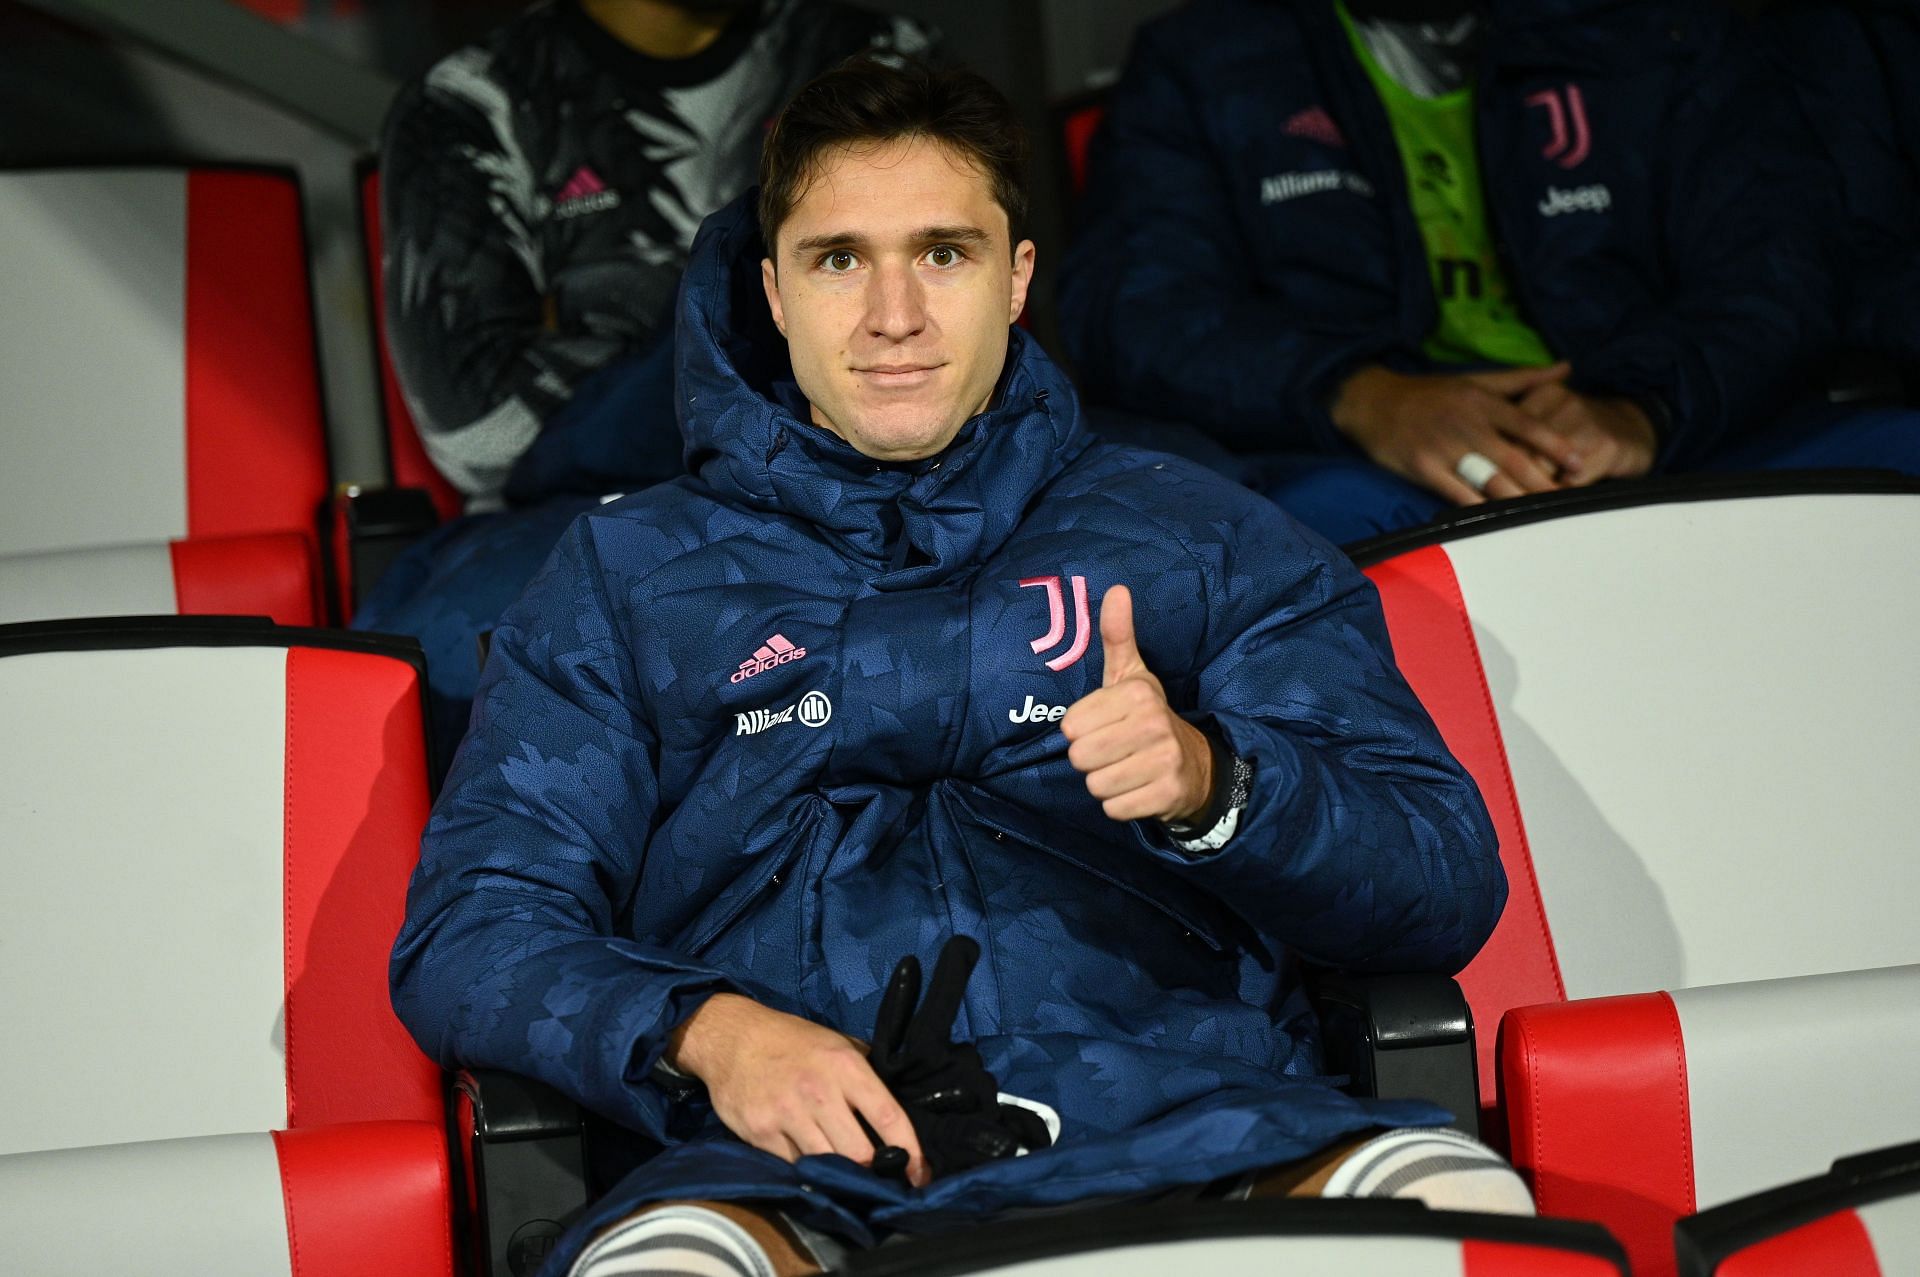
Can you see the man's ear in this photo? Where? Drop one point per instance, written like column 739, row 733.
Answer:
column 771, row 282
column 1023, row 254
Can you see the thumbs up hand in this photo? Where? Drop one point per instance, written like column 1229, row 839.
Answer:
column 1141, row 760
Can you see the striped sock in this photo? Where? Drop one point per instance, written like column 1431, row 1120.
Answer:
column 1443, row 1168
column 674, row 1241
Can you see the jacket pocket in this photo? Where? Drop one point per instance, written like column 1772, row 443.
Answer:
column 1184, row 905
column 766, row 877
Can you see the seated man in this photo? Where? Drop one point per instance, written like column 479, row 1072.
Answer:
column 540, row 192
column 837, row 698
column 1434, row 252
column 1853, row 68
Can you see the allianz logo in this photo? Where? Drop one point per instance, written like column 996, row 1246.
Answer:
column 1035, row 712
column 1581, row 199
column 1282, row 187
column 811, row 710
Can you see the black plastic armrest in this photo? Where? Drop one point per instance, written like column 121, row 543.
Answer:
column 379, row 524
column 524, row 1157
column 1401, row 1037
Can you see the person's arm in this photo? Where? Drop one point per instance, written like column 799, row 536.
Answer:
column 478, row 353
column 1748, row 312
column 510, row 956
column 1362, row 842
column 1157, row 302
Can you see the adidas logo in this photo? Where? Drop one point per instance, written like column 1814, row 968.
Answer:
column 584, row 193
column 776, row 651
column 1316, row 125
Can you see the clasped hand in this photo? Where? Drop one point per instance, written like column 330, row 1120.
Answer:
column 1540, row 435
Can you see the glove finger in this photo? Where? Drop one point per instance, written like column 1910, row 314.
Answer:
column 890, row 1162
column 896, row 1013
column 932, row 1027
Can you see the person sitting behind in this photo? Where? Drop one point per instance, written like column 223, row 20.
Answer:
column 838, row 697
column 540, row 191
column 1421, row 253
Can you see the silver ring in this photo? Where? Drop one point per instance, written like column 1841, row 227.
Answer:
column 1476, row 470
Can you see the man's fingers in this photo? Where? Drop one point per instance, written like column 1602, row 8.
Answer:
column 1508, row 382
column 1517, row 464
column 841, row 1130
column 890, row 1122
column 811, row 1139
column 1500, row 488
column 1107, row 746
column 1136, row 771
column 1438, row 475
column 1541, row 402
column 1120, row 655
column 1104, row 706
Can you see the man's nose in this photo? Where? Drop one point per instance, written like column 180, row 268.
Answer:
column 896, row 303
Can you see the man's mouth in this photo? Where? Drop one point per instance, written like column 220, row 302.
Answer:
column 899, row 375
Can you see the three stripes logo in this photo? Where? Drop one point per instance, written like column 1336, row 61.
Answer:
column 584, row 193
column 775, row 651
column 1057, row 620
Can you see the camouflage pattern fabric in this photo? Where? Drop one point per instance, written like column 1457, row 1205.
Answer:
column 771, row 726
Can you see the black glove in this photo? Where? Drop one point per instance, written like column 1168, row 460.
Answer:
column 948, row 1095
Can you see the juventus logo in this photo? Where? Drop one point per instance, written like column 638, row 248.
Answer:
column 1571, row 140
column 1057, row 623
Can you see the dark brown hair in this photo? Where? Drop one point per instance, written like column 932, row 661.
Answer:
column 865, row 99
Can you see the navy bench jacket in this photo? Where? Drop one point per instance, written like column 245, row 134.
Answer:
column 657, row 799
column 1248, row 242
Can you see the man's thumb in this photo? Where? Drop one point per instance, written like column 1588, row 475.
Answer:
column 1517, row 381
column 1120, row 655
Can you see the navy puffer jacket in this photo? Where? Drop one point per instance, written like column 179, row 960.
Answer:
column 774, row 725
column 1248, row 240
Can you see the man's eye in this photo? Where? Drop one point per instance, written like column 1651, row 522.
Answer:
column 944, row 255
column 839, row 262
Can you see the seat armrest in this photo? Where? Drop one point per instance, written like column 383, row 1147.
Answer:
column 371, row 527
column 1400, row 1037
column 522, row 1150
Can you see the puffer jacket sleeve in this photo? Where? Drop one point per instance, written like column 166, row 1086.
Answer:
column 1744, row 209
column 1364, row 844
column 510, row 956
column 1158, row 303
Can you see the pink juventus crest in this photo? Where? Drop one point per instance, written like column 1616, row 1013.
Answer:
column 1567, row 116
column 1057, row 620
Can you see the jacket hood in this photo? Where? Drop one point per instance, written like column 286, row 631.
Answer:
column 748, row 439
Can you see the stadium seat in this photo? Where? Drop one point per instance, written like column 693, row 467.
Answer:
column 1691, row 709
column 209, row 827
column 1079, row 123
column 1639, row 1109
column 1860, row 1219
column 165, row 388
column 1306, row 1238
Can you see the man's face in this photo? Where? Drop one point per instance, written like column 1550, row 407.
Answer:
column 894, row 286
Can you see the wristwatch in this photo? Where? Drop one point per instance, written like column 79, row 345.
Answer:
column 1232, row 786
